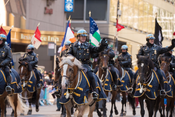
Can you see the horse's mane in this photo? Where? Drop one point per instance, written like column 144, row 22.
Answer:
column 146, row 60
column 68, row 60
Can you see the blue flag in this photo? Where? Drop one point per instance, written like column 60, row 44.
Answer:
column 9, row 38
column 9, row 43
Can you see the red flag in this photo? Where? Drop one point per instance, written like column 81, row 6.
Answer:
column 36, row 41
column 174, row 33
column 70, row 27
column 2, row 31
column 118, row 26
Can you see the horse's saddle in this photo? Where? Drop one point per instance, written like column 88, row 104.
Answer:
column 150, row 89
column 15, row 82
column 80, row 94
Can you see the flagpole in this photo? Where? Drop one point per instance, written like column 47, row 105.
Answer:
column 89, row 25
column 116, row 43
column 38, row 24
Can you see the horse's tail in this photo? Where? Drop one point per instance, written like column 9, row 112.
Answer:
column 21, row 107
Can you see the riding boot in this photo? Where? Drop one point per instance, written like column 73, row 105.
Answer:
column 113, row 72
column 38, row 78
column 8, row 87
column 93, row 85
column 162, row 91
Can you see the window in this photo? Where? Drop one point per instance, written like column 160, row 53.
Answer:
column 98, row 9
column 78, row 10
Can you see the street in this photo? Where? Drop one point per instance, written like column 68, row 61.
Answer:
column 50, row 111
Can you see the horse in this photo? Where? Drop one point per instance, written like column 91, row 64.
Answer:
column 104, row 73
column 72, row 75
column 14, row 99
column 57, row 82
column 123, row 88
column 147, row 85
column 30, row 91
column 165, row 66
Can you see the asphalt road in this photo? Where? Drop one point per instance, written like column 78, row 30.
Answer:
column 50, row 111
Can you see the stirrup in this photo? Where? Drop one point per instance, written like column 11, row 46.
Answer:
column 114, row 87
column 94, row 95
column 39, row 85
column 162, row 92
column 8, row 89
column 130, row 90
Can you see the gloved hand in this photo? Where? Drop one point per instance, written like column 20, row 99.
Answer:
column 104, row 42
column 173, row 42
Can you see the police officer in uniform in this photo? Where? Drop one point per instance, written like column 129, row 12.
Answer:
column 83, row 50
column 125, row 60
column 153, row 51
column 33, row 60
column 5, row 59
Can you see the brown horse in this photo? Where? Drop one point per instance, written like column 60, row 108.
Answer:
column 70, row 72
column 124, row 93
column 32, row 97
column 103, row 73
column 14, row 99
column 165, row 66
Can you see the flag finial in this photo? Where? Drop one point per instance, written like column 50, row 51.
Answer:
column 1, row 24
column 12, row 26
column 89, row 13
column 69, row 17
column 38, row 24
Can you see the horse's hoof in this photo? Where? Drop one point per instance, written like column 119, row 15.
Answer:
column 22, row 114
column 29, row 112
column 37, row 110
column 116, row 112
column 121, row 114
column 12, row 114
column 104, row 115
column 99, row 114
column 110, row 115
column 134, row 112
column 63, row 115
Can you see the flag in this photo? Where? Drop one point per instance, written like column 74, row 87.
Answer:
column 158, row 34
column 9, row 38
column 9, row 43
column 119, row 27
column 174, row 33
column 94, row 33
column 68, row 36
column 2, row 31
column 36, row 41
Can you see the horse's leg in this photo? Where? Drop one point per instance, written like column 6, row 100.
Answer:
column 168, row 106
column 150, row 106
column 104, row 108
column 2, row 106
column 30, row 110
column 97, row 108
column 63, row 112
column 114, row 99
column 132, row 103
column 142, row 111
column 37, row 99
column 112, row 103
column 172, row 107
column 15, row 104
column 92, row 108
column 157, row 105
column 123, row 111
column 68, row 107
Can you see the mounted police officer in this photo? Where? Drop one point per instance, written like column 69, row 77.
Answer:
column 125, row 60
column 32, row 62
column 5, row 59
column 153, row 51
column 83, row 50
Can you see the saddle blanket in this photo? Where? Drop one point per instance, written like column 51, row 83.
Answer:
column 15, row 82
column 31, row 84
column 168, row 84
column 150, row 89
column 124, row 82
column 107, row 82
column 80, row 94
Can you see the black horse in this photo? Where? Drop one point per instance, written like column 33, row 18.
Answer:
column 147, row 86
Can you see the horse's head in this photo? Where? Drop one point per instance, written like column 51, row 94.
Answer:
column 24, row 69
column 165, row 63
column 104, row 59
column 69, row 71
column 145, row 66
